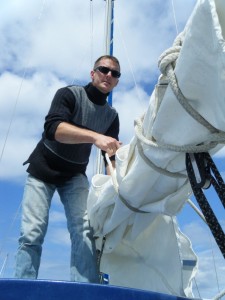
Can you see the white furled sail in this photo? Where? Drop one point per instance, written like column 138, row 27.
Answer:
column 133, row 212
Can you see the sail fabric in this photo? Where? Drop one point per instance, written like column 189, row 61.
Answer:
column 135, row 209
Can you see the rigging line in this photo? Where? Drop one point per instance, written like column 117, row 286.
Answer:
column 19, row 92
column 9, row 228
column 94, row 149
column 129, row 62
column 174, row 16
column 4, row 266
column 196, row 210
column 91, row 29
column 89, row 47
column 219, row 296
column 105, row 29
column 108, row 50
column 10, row 125
column 12, row 116
column 98, row 161
column 214, row 261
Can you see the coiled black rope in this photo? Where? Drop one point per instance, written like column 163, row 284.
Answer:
column 208, row 174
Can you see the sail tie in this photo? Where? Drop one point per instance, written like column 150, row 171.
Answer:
column 213, row 140
column 167, row 63
column 207, row 174
column 155, row 167
column 116, row 187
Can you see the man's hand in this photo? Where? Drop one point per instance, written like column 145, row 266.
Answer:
column 107, row 144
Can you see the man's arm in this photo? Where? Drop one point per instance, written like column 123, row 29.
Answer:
column 71, row 134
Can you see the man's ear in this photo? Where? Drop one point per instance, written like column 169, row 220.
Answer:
column 92, row 74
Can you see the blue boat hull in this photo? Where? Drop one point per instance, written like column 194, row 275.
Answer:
column 11, row 289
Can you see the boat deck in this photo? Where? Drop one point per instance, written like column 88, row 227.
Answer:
column 13, row 289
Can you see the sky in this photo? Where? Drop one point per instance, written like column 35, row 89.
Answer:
column 49, row 44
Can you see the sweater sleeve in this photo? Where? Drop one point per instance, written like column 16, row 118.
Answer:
column 112, row 131
column 114, row 128
column 61, row 110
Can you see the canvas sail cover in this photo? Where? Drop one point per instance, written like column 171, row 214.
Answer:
column 133, row 212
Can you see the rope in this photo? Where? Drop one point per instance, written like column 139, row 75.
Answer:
column 12, row 115
column 115, row 185
column 219, row 296
column 166, row 65
column 196, row 210
column 210, row 217
column 219, row 183
column 191, row 148
column 174, row 16
column 117, row 24
column 156, row 168
column 101, row 251
column 132, row 208
column 183, row 101
column 214, row 261
column 91, row 30
column 4, row 266
column 3, row 241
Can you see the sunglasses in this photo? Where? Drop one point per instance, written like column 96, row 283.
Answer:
column 105, row 70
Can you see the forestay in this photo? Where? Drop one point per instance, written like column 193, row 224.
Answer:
column 136, row 208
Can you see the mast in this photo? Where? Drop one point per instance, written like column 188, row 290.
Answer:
column 109, row 51
column 109, row 33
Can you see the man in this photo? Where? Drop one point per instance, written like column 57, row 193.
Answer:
column 78, row 118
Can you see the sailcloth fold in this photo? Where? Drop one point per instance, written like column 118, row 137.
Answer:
column 135, row 209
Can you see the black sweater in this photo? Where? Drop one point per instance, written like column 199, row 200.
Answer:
column 43, row 163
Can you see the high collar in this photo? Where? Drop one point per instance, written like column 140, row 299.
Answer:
column 95, row 95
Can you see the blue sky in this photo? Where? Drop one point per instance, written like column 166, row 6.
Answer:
column 49, row 44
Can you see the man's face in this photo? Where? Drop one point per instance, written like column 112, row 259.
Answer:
column 105, row 82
